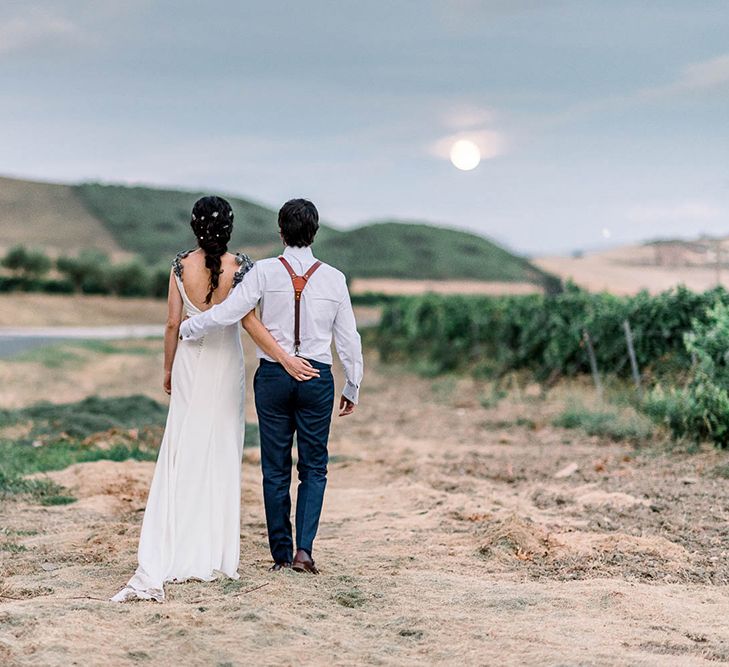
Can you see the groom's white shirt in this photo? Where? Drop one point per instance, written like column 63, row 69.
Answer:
column 326, row 311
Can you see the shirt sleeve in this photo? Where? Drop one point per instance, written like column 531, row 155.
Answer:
column 349, row 348
column 242, row 299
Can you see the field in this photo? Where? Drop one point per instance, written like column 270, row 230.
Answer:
column 43, row 310
column 395, row 286
column 466, row 522
column 654, row 267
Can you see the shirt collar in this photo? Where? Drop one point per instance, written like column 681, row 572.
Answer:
column 302, row 254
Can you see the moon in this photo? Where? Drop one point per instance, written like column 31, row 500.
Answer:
column 465, row 155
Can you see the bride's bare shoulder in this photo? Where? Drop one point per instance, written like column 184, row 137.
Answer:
column 182, row 259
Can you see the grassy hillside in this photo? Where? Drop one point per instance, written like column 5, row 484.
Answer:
column 51, row 216
column 417, row 251
column 154, row 223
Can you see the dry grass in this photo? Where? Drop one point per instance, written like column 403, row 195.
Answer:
column 630, row 269
column 414, row 287
column 22, row 309
column 60, row 222
column 446, row 539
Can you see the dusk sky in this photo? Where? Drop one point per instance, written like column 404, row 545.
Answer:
column 600, row 122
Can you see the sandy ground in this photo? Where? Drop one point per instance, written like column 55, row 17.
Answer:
column 22, row 309
column 630, row 269
column 410, row 287
column 452, row 534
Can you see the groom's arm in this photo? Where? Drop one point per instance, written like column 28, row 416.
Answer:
column 240, row 302
column 349, row 348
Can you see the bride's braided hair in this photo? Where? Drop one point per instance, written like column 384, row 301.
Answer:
column 212, row 222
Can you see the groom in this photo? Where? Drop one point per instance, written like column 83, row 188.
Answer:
column 304, row 303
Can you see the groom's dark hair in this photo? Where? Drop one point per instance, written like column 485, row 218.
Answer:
column 298, row 221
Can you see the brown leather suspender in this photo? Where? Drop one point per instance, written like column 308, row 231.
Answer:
column 299, row 283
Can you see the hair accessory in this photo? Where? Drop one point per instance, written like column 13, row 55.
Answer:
column 215, row 214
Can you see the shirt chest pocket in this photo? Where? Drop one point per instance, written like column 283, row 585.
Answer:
column 322, row 311
column 275, row 305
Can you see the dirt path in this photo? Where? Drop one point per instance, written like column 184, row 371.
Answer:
column 446, row 539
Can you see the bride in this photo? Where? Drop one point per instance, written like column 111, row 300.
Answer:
column 191, row 527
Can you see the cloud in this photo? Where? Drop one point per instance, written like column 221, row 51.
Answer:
column 468, row 118
column 36, row 27
column 706, row 75
column 682, row 212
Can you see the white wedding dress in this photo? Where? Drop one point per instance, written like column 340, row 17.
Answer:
column 191, row 526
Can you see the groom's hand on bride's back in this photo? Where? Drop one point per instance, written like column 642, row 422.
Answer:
column 346, row 407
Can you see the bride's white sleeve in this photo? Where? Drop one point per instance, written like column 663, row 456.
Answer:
column 240, row 302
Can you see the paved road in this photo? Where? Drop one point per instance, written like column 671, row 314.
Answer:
column 13, row 340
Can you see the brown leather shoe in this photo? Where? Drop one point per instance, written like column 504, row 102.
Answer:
column 304, row 563
column 279, row 566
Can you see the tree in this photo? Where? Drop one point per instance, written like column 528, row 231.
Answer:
column 88, row 272
column 27, row 263
column 130, row 279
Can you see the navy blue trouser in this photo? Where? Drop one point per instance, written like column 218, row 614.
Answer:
column 285, row 407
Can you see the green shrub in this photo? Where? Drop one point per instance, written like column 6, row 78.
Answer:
column 543, row 334
column 700, row 410
column 607, row 422
column 130, row 279
column 43, row 491
column 159, row 281
column 88, row 273
column 90, row 415
column 372, row 299
column 57, row 437
column 23, row 284
column 27, row 263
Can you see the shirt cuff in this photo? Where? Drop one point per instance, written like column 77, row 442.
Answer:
column 185, row 330
column 351, row 392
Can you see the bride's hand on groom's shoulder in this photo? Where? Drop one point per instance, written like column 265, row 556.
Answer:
column 298, row 368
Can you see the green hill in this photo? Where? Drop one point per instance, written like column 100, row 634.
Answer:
column 417, row 251
column 154, row 223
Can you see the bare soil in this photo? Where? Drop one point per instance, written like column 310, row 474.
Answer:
column 452, row 533
column 655, row 268
column 23, row 309
column 414, row 287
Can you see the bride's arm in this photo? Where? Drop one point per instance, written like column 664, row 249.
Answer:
column 172, row 329
column 298, row 368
